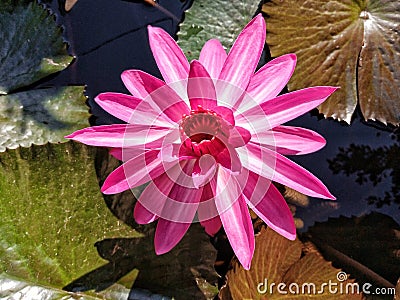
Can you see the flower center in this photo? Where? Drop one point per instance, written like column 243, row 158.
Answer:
column 201, row 131
column 201, row 125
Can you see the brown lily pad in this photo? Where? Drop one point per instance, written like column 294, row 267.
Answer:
column 297, row 271
column 351, row 44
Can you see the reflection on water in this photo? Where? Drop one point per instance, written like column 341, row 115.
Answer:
column 372, row 165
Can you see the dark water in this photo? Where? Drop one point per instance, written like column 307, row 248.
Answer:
column 360, row 163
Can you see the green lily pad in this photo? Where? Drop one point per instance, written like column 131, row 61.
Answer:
column 351, row 44
column 41, row 116
column 11, row 286
column 298, row 270
column 209, row 19
column 52, row 214
column 31, row 46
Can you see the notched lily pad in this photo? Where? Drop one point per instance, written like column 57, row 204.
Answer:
column 41, row 116
column 299, row 271
column 52, row 214
column 31, row 46
column 209, row 19
column 351, row 44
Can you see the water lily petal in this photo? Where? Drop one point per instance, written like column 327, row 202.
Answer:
column 122, row 135
column 212, row 57
column 168, row 235
column 270, row 79
column 283, row 108
column 212, row 226
column 229, row 159
column 268, row 203
column 178, row 212
column 204, row 170
column 226, row 113
column 126, row 153
column 169, row 56
column 235, row 217
column 161, row 97
column 200, row 87
column 282, row 170
column 207, row 211
column 137, row 171
column 239, row 136
column 289, row 140
column 170, row 59
column 244, row 56
column 119, row 105
column 140, row 84
column 146, row 209
column 142, row 215
column 131, row 109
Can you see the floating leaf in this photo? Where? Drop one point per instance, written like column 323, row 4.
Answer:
column 209, row 19
column 52, row 214
column 351, row 44
column 277, row 260
column 31, row 46
column 10, row 287
column 40, row 116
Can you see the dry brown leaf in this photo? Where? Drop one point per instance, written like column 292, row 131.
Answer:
column 278, row 261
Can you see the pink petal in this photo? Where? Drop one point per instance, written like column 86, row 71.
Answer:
column 169, row 57
column 229, row 159
column 269, row 81
column 239, row 136
column 131, row 109
column 142, row 215
column 201, row 90
column 235, row 217
column 204, row 170
column 226, row 113
column 127, row 153
column 284, row 108
column 152, row 200
column 118, row 105
column 276, row 167
column 213, row 57
column 288, row 140
column 178, row 212
column 267, row 202
column 242, row 59
column 208, row 213
column 156, row 93
column 136, row 171
column 168, row 234
column 120, row 135
column 140, row 84
column 212, row 226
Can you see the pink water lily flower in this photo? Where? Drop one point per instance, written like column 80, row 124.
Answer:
column 209, row 140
